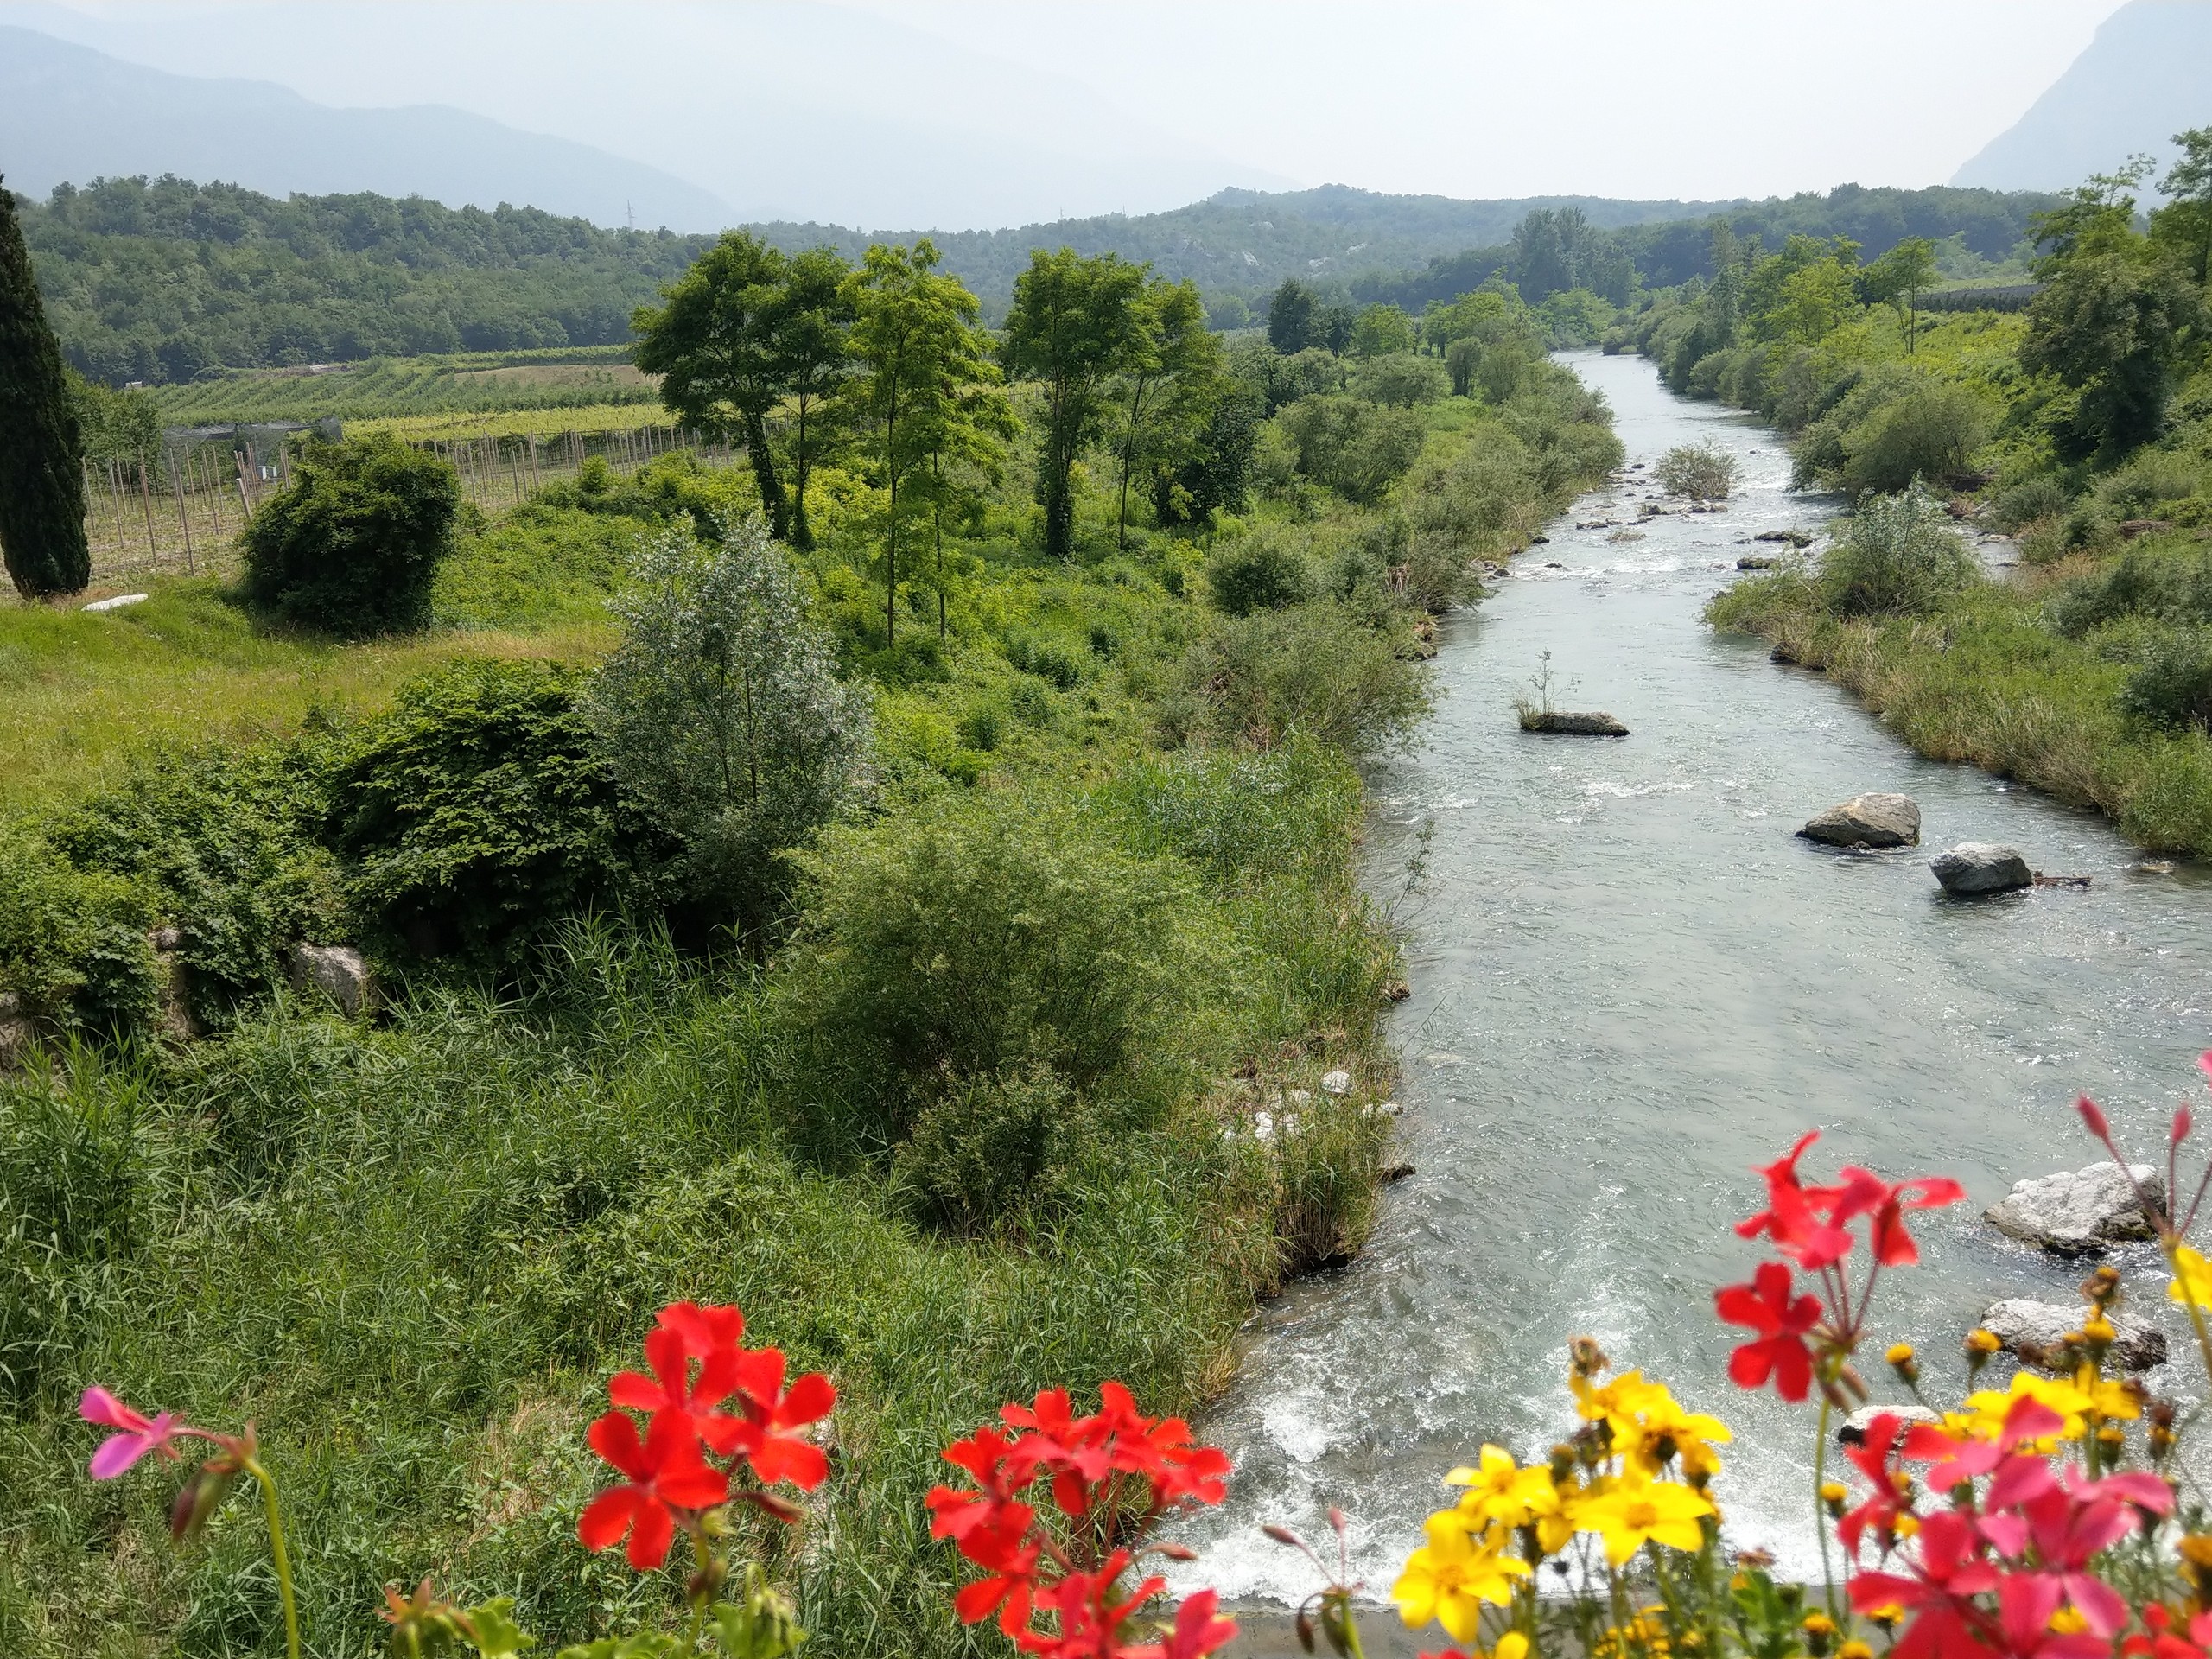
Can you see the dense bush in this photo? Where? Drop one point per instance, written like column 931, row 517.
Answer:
column 1897, row 556
column 1052, row 660
column 721, row 715
column 985, row 937
column 986, row 1147
column 1261, row 571
column 1357, row 448
column 480, row 811
column 223, row 843
column 1892, row 426
column 73, row 951
column 353, row 546
column 1321, row 669
column 2173, row 685
column 2174, row 587
column 1401, row 380
column 1703, row 472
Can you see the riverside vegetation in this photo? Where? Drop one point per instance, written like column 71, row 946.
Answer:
column 901, row 934
column 2081, row 425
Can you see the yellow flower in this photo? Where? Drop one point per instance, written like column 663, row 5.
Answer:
column 1634, row 1513
column 2107, row 1399
column 2192, row 1280
column 1511, row 1645
column 1552, row 1511
column 1500, row 1489
column 1449, row 1578
column 1984, row 1419
column 1689, row 1435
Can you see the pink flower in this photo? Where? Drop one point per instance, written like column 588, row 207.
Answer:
column 138, row 1434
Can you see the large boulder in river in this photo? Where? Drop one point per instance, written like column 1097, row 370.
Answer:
column 2078, row 1210
column 2036, row 1330
column 337, row 971
column 1874, row 820
column 1592, row 724
column 1974, row 867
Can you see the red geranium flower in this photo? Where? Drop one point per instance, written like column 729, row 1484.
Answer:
column 1795, row 1214
column 1766, row 1305
column 686, row 1332
column 771, row 1410
column 666, row 1472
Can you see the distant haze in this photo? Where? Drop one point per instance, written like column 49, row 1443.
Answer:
column 2147, row 75
column 963, row 113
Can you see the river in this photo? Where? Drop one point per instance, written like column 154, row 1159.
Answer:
column 1631, row 983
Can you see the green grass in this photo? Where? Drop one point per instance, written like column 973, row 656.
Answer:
column 412, row 1252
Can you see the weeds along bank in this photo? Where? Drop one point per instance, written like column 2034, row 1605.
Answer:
column 935, row 1027
column 2081, row 426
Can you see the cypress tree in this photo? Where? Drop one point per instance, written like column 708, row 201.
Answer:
column 42, row 451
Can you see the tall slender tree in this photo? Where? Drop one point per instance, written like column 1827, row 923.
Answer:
column 42, row 451
column 928, row 398
column 1073, row 326
column 809, row 328
column 714, row 343
column 1170, row 361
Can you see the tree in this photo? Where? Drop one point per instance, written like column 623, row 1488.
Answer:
column 42, row 451
column 1290, row 317
column 1073, row 326
column 714, row 342
column 2187, row 217
column 809, row 323
column 1167, row 382
column 1332, row 326
column 1897, row 278
column 719, row 712
column 927, row 397
column 1382, row 331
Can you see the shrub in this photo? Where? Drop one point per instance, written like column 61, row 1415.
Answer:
column 353, row 546
column 1356, row 448
column 2139, row 582
column 73, row 951
column 1401, row 380
column 1257, row 572
column 2029, row 502
column 1897, row 556
column 986, row 1147
column 720, row 714
column 986, row 938
column 1048, row 658
column 2173, row 686
column 481, row 810
column 1932, row 432
column 1703, row 472
column 223, row 843
column 1318, row 668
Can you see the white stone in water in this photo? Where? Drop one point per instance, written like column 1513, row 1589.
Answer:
column 2031, row 1329
column 117, row 603
column 2080, row 1211
column 1336, row 1083
column 1974, row 866
column 1854, row 1431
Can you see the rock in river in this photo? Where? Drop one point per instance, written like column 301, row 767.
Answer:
column 2031, row 1330
column 1854, row 1431
column 1875, row 820
column 2078, row 1210
column 1592, row 724
column 1981, row 867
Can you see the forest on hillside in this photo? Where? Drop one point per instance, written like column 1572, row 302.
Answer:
column 159, row 281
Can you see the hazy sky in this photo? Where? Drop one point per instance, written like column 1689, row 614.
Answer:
column 1021, row 109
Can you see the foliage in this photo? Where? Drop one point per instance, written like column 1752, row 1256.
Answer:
column 115, row 425
column 2172, row 686
column 1074, row 325
column 992, row 1148
column 720, row 714
column 1172, row 383
column 1702, row 471
column 993, row 937
column 2110, row 324
column 1356, row 448
column 1263, row 571
column 1400, row 380
column 1319, row 668
column 160, row 281
column 74, row 951
column 353, row 546
column 1897, row 556
column 1380, row 331
column 1290, row 317
column 479, row 812
column 223, row 847
column 41, row 442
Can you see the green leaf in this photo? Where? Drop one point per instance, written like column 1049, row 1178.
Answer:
column 491, row 1627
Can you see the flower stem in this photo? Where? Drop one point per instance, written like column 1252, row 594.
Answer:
column 1821, row 1508
column 278, row 1554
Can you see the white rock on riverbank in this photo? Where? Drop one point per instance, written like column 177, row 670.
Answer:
column 2077, row 1211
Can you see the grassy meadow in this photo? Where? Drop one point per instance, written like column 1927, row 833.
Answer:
column 1113, row 799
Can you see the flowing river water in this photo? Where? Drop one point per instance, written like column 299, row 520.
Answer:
column 1631, row 983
